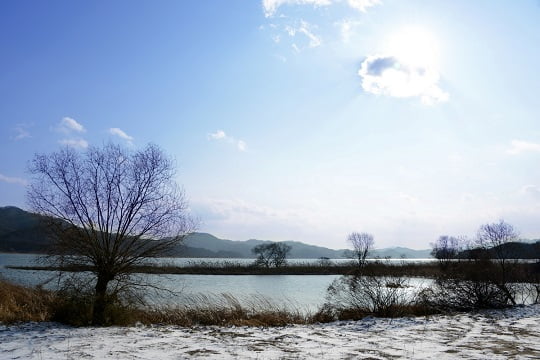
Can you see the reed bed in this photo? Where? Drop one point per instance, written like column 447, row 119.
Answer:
column 18, row 303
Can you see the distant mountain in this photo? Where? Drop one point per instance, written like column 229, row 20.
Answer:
column 512, row 250
column 22, row 231
column 242, row 249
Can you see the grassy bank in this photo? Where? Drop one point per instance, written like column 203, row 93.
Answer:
column 18, row 303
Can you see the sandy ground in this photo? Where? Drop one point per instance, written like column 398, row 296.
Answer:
column 508, row 334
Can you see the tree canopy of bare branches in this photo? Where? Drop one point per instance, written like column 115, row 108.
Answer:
column 111, row 208
column 446, row 249
column 271, row 254
column 362, row 244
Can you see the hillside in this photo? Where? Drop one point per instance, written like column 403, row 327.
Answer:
column 21, row 231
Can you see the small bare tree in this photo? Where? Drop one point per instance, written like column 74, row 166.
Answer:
column 495, row 239
column 362, row 244
column 271, row 254
column 110, row 208
column 446, row 249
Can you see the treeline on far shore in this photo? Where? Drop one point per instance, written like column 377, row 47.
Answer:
column 322, row 267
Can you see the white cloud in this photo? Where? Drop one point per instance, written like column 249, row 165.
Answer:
column 270, row 7
column 68, row 125
column 386, row 75
column 518, row 146
column 13, row 180
column 346, row 28
column 305, row 29
column 121, row 134
column 241, row 145
column 362, row 5
column 220, row 135
column 76, row 143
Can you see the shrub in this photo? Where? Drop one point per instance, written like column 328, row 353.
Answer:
column 355, row 296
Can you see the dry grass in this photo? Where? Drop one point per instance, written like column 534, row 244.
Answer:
column 18, row 303
column 224, row 309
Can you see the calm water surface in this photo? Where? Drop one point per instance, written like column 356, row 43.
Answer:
column 304, row 292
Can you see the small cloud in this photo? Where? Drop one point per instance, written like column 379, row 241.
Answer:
column 241, row 145
column 75, row 143
column 22, row 132
column 305, row 29
column 13, row 180
column 270, row 6
column 531, row 190
column 363, row 5
column 346, row 29
column 121, row 134
column 220, row 135
column 68, row 125
column 386, row 75
column 518, row 147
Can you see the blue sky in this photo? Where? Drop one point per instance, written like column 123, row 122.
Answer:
column 291, row 119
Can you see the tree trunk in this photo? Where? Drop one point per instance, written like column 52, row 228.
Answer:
column 100, row 300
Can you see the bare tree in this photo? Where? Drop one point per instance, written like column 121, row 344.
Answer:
column 495, row 239
column 112, row 209
column 362, row 244
column 446, row 249
column 271, row 254
column 496, row 236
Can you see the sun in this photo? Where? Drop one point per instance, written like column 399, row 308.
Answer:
column 415, row 46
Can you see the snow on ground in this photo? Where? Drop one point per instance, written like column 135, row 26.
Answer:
column 513, row 333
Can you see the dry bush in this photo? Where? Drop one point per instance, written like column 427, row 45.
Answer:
column 354, row 297
column 18, row 303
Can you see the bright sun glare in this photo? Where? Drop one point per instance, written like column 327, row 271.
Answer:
column 415, row 46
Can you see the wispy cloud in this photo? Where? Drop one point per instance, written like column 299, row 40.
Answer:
column 305, row 29
column 21, row 132
column 270, row 7
column 363, row 5
column 13, row 180
column 70, row 125
column 121, row 134
column 220, row 135
column 346, row 28
column 387, row 75
column 519, row 146
column 76, row 143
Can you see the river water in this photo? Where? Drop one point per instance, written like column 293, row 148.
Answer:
column 302, row 292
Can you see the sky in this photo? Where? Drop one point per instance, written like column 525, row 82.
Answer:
column 291, row 119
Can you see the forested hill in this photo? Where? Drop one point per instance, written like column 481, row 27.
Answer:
column 22, row 232
column 299, row 250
